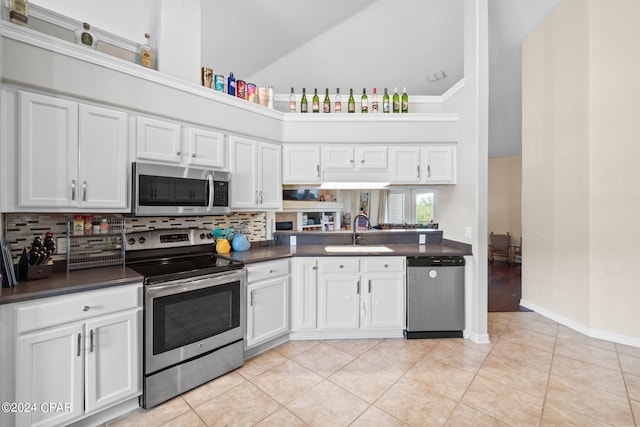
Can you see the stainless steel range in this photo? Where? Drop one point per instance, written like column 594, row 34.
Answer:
column 193, row 310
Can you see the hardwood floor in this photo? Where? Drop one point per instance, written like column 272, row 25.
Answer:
column 505, row 287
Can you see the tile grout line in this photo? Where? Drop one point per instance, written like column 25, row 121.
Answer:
column 626, row 388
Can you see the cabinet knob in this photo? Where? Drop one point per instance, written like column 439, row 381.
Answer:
column 194, row 155
column 362, row 161
column 341, row 266
column 86, row 308
column 178, row 153
column 386, row 266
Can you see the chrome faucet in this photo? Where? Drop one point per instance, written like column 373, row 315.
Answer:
column 355, row 238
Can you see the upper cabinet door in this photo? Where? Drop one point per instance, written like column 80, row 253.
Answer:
column 439, row 164
column 207, row 148
column 405, row 165
column 48, row 151
column 103, row 162
column 244, row 170
column 338, row 157
column 158, row 140
column 301, row 164
column 371, row 157
column 270, row 176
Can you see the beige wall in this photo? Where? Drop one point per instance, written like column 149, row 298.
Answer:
column 581, row 80
column 505, row 196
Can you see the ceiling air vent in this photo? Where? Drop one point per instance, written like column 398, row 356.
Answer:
column 434, row 77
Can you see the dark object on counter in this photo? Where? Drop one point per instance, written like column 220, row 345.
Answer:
column 405, row 226
column 300, row 194
column 34, row 264
column 284, row 225
column 435, row 297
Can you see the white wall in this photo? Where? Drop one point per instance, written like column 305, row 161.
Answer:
column 580, row 146
column 505, row 196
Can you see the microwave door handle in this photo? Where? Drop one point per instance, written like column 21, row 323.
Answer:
column 210, row 206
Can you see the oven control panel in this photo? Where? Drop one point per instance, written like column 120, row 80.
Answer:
column 157, row 239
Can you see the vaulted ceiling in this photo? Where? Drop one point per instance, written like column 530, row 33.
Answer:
column 364, row 44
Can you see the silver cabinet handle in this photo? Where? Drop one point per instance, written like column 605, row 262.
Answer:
column 358, row 292
column 86, row 308
column 79, row 343
column 251, row 298
column 351, row 161
column 418, row 171
column 429, row 171
column 194, row 155
column 261, row 196
column 91, row 341
column 256, row 198
column 369, row 286
column 73, row 189
column 84, row 191
column 318, row 171
column 178, row 153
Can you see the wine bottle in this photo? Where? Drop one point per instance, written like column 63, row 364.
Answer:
column 405, row 101
column 270, row 96
column 326, row 108
column 85, row 37
column 352, row 103
column 374, row 101
column 292, row 102
column 315, row 102
column 338, row 108
column 385, row 102
column 396, row 101
column 303, row 102
column 364, row 102
column 146, row 54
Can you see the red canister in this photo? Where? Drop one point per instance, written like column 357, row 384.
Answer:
column 241, row 89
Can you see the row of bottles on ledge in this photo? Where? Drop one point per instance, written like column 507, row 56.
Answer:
column 396, row 103
column 238, row 88
column 85, row 37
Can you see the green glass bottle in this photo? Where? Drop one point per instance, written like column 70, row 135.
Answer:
column 396, row 101
column 315, row 102
column 386, row 108
column 364, row 102
column 326, row 108
column 405, row 101
column 303, row 102
column 352, row 103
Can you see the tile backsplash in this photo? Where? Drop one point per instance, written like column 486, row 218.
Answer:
column 21, row 228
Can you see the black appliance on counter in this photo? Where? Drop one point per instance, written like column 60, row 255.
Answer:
column 193, row 310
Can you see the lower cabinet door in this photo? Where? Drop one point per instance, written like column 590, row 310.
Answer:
column 339, row 301
column 267, row 310
column 113, row 350
column 384, row 301
column 49, row 375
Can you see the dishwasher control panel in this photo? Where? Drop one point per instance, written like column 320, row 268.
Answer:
column 435, row 261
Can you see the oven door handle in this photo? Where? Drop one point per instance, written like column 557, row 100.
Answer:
column 211, row 190
column 193, row 284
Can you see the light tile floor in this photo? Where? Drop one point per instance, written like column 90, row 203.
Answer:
column 534, row 372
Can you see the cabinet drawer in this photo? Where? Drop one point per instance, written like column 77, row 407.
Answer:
column 339, row 265
column 384, row 264
column 48, row 312
column 267, row 270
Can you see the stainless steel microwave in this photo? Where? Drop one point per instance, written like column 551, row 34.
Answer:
column 160, row 190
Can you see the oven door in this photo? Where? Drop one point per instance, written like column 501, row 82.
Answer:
column 187, row 318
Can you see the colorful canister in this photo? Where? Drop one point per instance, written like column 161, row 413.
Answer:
column 231, row 85
column 263, row 95
column 252, row 95
column 207, row 77
column 241, row 89
column 219, row 82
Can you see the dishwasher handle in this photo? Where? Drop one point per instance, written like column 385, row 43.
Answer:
column 435, row 261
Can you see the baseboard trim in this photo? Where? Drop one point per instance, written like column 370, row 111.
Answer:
column 583, row 329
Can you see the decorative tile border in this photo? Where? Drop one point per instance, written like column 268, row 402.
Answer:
column 21, row 228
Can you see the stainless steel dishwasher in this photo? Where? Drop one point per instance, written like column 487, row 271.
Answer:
column 435, row 297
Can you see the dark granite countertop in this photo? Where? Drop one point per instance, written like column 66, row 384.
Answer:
column 67, row 283
column 268, row 253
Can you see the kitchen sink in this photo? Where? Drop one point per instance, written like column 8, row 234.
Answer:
column 357, row 248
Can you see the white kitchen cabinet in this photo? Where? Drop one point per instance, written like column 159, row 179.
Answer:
column 71, row 155
column 207, row 149
column 351, row 163
column 267, row 301
column 81, row 349
column 335, row 297
column 430, row 164
column 256, row 169
column 158, row 140
column 304, row 293
column 300, row 164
